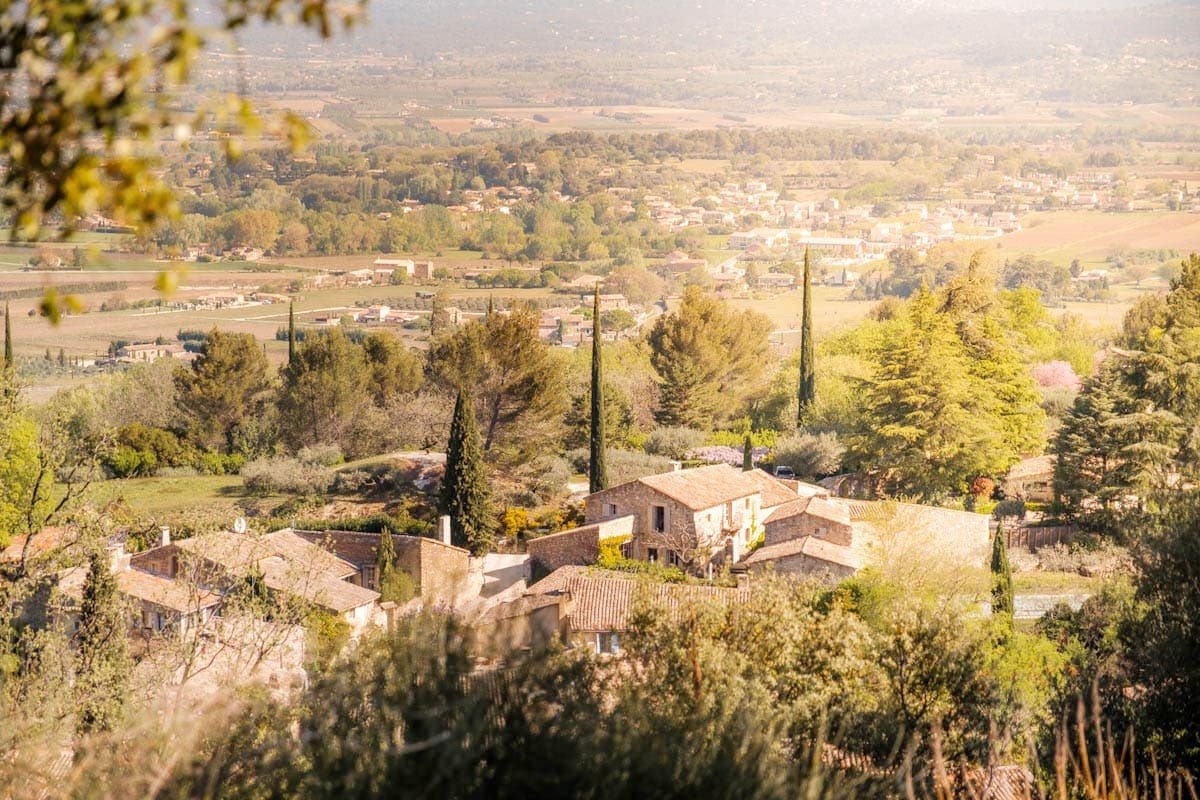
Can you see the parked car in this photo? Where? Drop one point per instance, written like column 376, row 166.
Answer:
column 784, row 471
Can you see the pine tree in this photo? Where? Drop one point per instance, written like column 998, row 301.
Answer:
column 8, row 344
column 291, row 331
column 597, row 465
column 807, row 388
column 102, row 661
column 465, row 496
column 385, row 558
column 1002, row 587
column 747, row 454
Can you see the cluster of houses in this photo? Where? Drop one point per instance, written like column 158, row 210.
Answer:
column 704, row 521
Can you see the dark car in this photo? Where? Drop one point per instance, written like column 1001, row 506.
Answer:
column 784, row 471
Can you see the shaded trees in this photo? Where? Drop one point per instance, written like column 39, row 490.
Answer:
column 325, row 390
column 465, row 495
column 518, row 383
column 102, row 660
column 225, row 395
column 707, row 358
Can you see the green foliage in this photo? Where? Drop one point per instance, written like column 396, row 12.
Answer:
column 325, row 391
column 597, row 441
column 1002, row 585
column 518, row 382
column 810, row 455
column 1127, row 433
column 21, row 472
column 1162, row 645
column 225, row 395
column 394, row 370
column 102, row 660
column 806, row 391
column 465, row 494
column 929, row 426
column 673, row 443
column 328, row 636
column 708, row 359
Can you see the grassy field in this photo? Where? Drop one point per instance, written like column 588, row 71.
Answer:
column 1038, row 582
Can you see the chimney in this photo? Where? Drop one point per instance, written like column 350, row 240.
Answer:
column 444, row 528
column 164, row 536
column 119, row 558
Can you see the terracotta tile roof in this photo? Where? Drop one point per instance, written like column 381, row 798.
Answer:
column 48, row 539
column 809, row 546
column 774, row 491
column 703, row 487
column 140, row 585
column 831, row 508
column 1009, row 782
column 604, row 600
column 237, row 551
column 320, row 588
column 520, row 607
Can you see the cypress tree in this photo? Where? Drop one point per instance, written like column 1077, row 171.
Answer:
column 807, row 388
column 491, row 305
column 385, row 558
column 102, row 661
column 1002, row 588
column 465, row 496
column 597, row 465
column 291, row 331
column 8, row 344
column 747, row 454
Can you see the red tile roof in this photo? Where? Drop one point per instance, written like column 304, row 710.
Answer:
column 703, row 487
column 809, row 546
column 604, row 600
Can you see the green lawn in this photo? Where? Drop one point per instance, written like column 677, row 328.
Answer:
column 1038, row 582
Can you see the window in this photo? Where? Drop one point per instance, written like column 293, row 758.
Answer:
column 608, row 643
column 659, row 519
column 368, row 579
column 652, row 555
column 612, row 509
column 673, row 558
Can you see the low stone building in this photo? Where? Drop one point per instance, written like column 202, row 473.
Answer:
column 602, row 602
column 1031, row 479
column 438, row 568
column 579, row 546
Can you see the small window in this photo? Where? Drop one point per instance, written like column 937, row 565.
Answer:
column 673, row 558
column 652, row 555
column 608, row 643
column 659, row 519
column 612, row 509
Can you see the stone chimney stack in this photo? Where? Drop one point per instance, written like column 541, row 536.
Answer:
column 164, row 536
column 119, row 559
column 444, row 528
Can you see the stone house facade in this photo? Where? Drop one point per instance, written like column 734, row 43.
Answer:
column 576, row 546
column 690, row 518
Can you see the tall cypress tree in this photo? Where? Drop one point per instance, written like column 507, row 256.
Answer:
column 491, row 305
column 291, row 331
column 747, row 453
column 8, row 345
column 102, row 661
column 597, row 465
column 1002, row 587
column 385, row 557
column 465, row 496
column 807, row 388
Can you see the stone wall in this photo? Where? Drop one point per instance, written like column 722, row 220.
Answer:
column 800, row 565
column 579, row 546
column 784, row 530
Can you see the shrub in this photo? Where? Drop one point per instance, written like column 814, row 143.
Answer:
column 623, row 465
column 128, row 462
column 397, row 587
column 211, row 463
column 287, row 475
column 1009, row 508
column 1057, row 374
column 325, row 455
column 352, row 481
column 542, row 480
column 673, row 443
column 513, row 522
column 400, row 524
column 177, row 472
column 810, row 455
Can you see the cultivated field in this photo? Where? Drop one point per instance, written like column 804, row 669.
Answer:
column 1090, row 236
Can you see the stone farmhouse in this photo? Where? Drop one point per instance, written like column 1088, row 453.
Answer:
column 715, row 516
column 586, row 607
